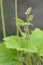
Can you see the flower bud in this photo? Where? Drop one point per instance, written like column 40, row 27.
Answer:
column 31, row 17
column 28, row 10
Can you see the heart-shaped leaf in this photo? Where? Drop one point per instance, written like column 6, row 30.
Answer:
column 37, row 38
column 19, row 43
column 8, row 56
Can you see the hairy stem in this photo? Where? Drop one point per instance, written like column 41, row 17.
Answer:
column 28, row 59
column 27, row 32
column 34, row 59
column 3, row 23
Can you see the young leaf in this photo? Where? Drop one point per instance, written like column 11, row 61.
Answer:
column 20, row 21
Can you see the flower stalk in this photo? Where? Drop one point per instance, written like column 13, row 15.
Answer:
column 3, row 21
column 16, row 16
column 27, row 27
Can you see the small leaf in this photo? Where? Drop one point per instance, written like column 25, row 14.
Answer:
column 20, row 21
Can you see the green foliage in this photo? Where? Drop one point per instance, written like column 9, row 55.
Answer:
column 22, row 22
column 37, row 39
column 6, row 56
column 13, row 47
column 9, row 56
column 15, row 44
column 19, row 43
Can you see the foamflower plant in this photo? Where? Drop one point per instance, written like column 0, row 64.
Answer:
column 25, row 49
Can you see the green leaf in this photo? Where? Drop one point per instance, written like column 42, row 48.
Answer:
column 37, row 38
column 8, row 56
column 20, row 21
column 15, row 42
column 9, row 63
column 31, row 49
column 19, row 43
